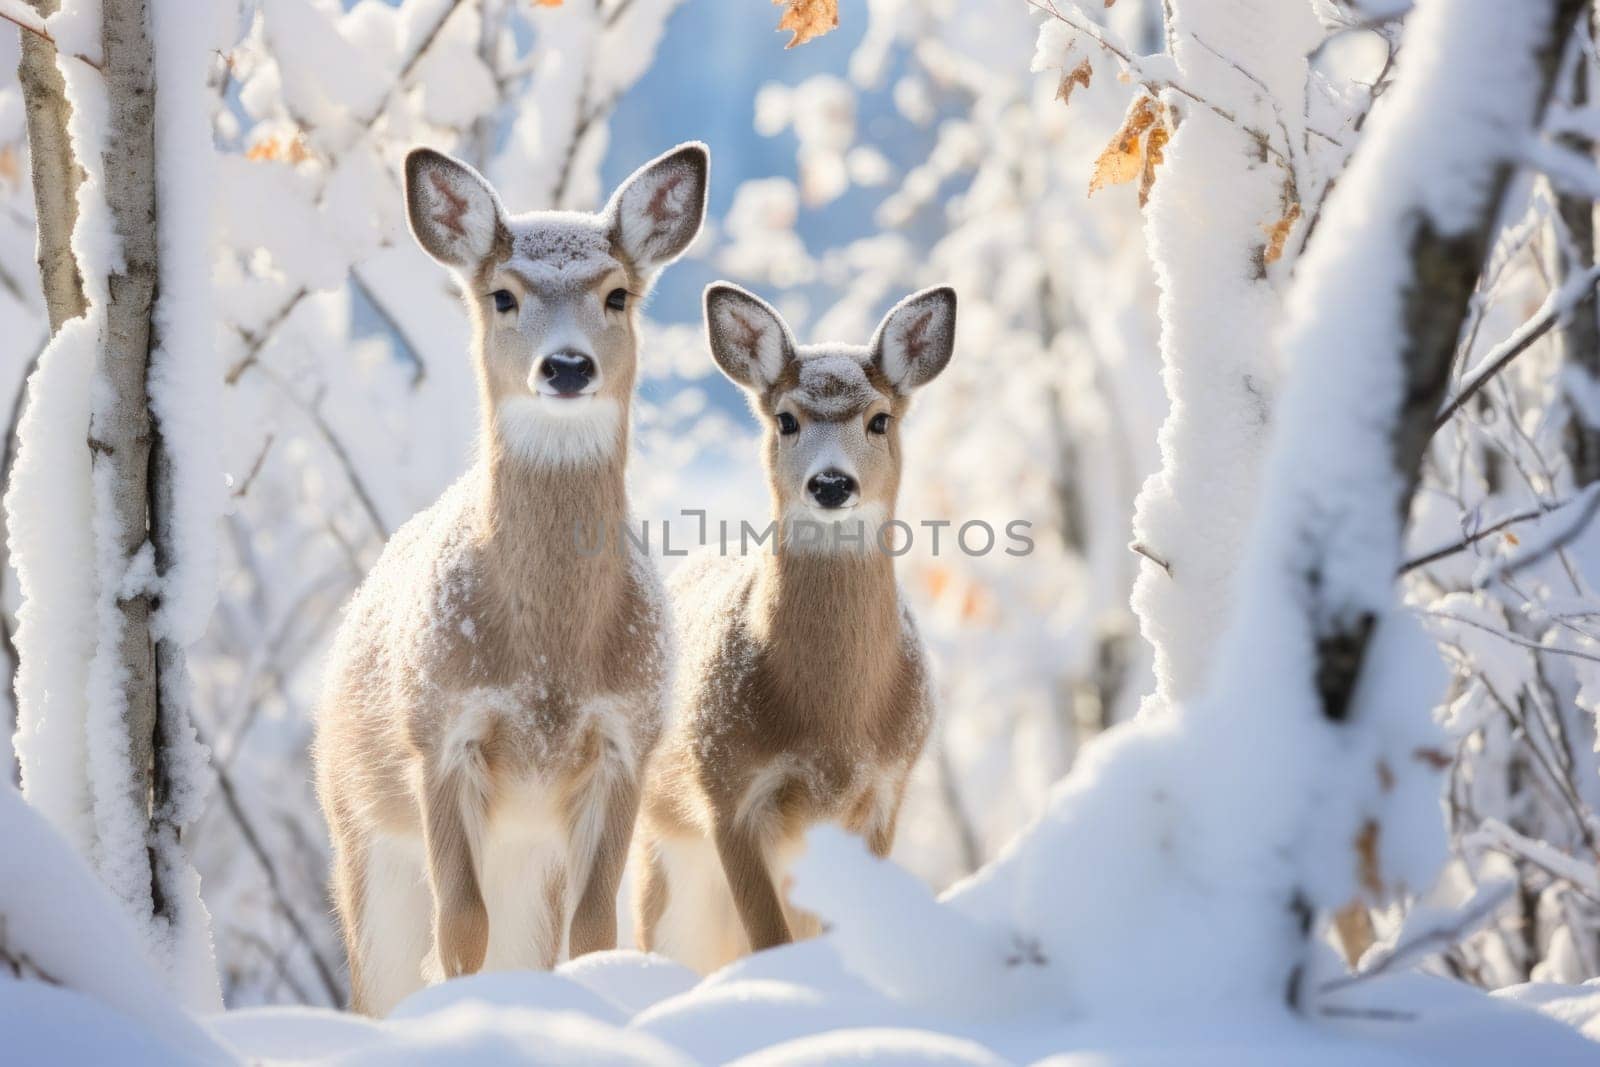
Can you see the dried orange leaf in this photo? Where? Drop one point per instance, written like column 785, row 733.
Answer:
column 807, row 19
column 546, row 3
column 1073, row 78
column 1278, row 233
column 1123, row 158
column 279, row 149
column 10, row 166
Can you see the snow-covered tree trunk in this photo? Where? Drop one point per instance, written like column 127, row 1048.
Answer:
column 123, row 675
column 1307, row 770
column 1229, row 177
column 1375, row 320
column 104, row 737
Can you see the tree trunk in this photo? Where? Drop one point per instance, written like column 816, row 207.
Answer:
column 120, row 437
column 56, row 174
column 1444, row 272
column 1444, row 266
column 1580, row 333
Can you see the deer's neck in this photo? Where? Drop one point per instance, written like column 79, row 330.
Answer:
column 536, row 520
column 831, row 624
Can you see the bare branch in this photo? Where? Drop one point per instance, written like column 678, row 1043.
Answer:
column 1558, row 304
column 1430, row 939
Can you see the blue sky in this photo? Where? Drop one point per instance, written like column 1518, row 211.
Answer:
column 714, row 57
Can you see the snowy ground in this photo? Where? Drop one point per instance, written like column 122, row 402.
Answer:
column 900, row 979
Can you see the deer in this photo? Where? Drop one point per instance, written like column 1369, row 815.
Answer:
column 495, row 687
column 802, row 692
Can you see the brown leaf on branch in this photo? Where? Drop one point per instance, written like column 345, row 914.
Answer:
column 807, row 19
column 1073, row 78
column 1278, row 233
column 1433, row 757
column 1135, row 150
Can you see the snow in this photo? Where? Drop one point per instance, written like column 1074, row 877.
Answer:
column 1215, row 195
column 1146, row 918
column 51, row 549
column 801, row 1004
column 55, row 914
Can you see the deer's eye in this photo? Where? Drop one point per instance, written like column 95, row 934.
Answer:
column 787, row 423
column 617, row 299
column 503, row 300
column 879, row 423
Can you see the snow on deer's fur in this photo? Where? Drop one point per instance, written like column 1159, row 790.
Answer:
column 495, row 689
column 802, row 692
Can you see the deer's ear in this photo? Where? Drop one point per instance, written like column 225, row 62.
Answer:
column 749, row 340
column 915, row 340
column 657, row 212
column 454, row 214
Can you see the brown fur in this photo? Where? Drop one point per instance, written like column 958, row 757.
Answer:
column 494, row 692
column 803, row 695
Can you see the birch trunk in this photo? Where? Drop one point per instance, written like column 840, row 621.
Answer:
column 120, row 434
column 56, row 174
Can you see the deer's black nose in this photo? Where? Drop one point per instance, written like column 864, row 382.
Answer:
column 568, row 373
column 832, row 489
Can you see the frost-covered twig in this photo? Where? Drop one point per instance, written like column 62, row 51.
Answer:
column 1139, row 548
column 256, row 339
column 1558, row 304
column 18, row 14
column 252, row 842
column 1562, row 783
column 1150, row 75
column 1432, row 938
column 1583, row 507
column 1583, row 875
column 1504, row 635
column 1444, row 551
column 243, row 488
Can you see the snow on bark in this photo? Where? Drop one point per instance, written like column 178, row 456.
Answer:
column 106, row 748
column 1223, row 186
column 187, row 492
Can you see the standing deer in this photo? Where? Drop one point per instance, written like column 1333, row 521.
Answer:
column 495, row 688
column 802, row 693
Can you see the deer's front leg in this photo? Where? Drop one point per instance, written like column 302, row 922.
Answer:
column 594, row 921
column 754, row 895
column 460, row 919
